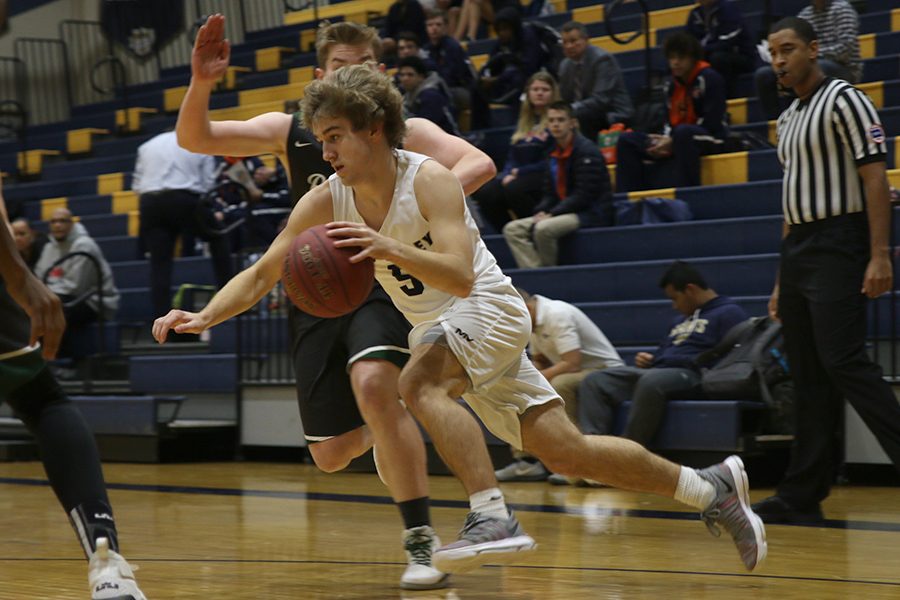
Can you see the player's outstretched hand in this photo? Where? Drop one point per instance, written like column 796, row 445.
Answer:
column 209, row 59
column 179, row 321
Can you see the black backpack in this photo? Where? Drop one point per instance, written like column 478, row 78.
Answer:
column 551, row 46
column 752, row 363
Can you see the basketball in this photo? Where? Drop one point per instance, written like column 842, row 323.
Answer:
column 320, row 279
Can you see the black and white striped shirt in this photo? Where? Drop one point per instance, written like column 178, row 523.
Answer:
column 821, row 143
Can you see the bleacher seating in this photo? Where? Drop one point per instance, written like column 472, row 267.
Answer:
column 85, row 164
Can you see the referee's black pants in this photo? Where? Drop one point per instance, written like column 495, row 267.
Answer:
column 164, row 216
column 824, row 323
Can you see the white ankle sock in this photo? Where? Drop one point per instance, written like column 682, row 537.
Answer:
column 489, row 502
column 693, row 490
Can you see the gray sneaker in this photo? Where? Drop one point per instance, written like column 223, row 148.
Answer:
column 522, row 470
column 484, row 540
column 731, row 510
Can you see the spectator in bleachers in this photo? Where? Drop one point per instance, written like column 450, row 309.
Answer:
column 29, row 242
column 171, row 182
column 425, row 94
column 837, row 28
column 591, row 81
column 409, row 44
column 452, row 62
column 727, row 42
column 75, row 280
column 696, row 122
column 473, row 12
column 517, row 189
column 576, row 194
column 249, row 190
column 515, row 56
column 669, row 372
column 566, row 346
column 403, row 15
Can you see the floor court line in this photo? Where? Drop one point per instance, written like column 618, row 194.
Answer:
column 512, row 566
column 435, row 502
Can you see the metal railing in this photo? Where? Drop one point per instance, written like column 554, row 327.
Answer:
column 13, row 99
column 47, row 80
column 643, row 30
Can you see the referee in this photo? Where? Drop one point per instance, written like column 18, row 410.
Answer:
column 834, row 255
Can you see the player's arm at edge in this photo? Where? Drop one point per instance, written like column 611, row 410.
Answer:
column 471, row 166
column 249, row 286
column 448, row 266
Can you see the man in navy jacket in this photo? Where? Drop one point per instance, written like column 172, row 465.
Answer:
column 577, row 193
column 696, row 123
column 727, row 43
column 668, row 372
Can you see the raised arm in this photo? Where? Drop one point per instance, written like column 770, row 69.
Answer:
column 471, row 166
column 247, row 287
column 264, row 134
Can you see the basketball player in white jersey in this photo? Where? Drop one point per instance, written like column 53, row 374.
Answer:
column 470, row 328
column 346, row 368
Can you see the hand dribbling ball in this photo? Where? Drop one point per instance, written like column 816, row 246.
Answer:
column 319, row 277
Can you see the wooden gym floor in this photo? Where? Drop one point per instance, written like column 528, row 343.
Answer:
column 271, row 531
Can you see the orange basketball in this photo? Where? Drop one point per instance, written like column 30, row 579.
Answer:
column 320, row 279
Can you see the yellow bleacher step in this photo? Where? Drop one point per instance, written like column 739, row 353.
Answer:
column 81, row 141
column 588, row 14
column 288, row 91
column 229, row 81
column 48, row 205
column 894, row 178
column 308, row 40
column 659, row 193
column 269, row 59
column 301, row 74
column 109, row 183
column 242, row 113
column 737, row 110
column 724, row 169
column 670, row 17
column 31, row 162
column 173, row 97
column 134, row 223
column 341, row 9
column 128, row 120
column 124, row 201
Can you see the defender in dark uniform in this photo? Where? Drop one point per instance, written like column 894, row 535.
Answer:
column 343, row 416
column 324, row 349
column 67, row 445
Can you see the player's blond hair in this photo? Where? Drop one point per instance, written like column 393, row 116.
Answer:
column 360, row 94
column 345, row 33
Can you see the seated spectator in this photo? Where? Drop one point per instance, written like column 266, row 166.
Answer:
column 837, row 29
column 472, row 12
column 591, row 81
column 515, row 56
column 29, row 242
column 75, row 280
column 517, row 189
column 576, row 194
column 425, row 94
column 566, row 346
column 668, row 373
column 249, row 191
column 695, row 99
column 409, row 44
column 451, row 61
column 727, row 43
column 403, row 15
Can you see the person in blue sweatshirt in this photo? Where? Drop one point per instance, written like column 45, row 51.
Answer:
column 669, row 372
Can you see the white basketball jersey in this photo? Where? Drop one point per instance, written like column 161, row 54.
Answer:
column 404, row 222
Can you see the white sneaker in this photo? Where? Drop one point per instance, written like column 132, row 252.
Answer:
column 522, row 470
column 420, row 543
column 110, row 576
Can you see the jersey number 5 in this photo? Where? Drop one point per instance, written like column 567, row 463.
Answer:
column 413, row 288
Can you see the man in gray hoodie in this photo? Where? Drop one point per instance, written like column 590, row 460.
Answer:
column 76, row 277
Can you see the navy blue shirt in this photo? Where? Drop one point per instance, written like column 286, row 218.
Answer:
column 689, row 337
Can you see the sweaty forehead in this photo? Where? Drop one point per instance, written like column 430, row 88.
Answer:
column 343, row 54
